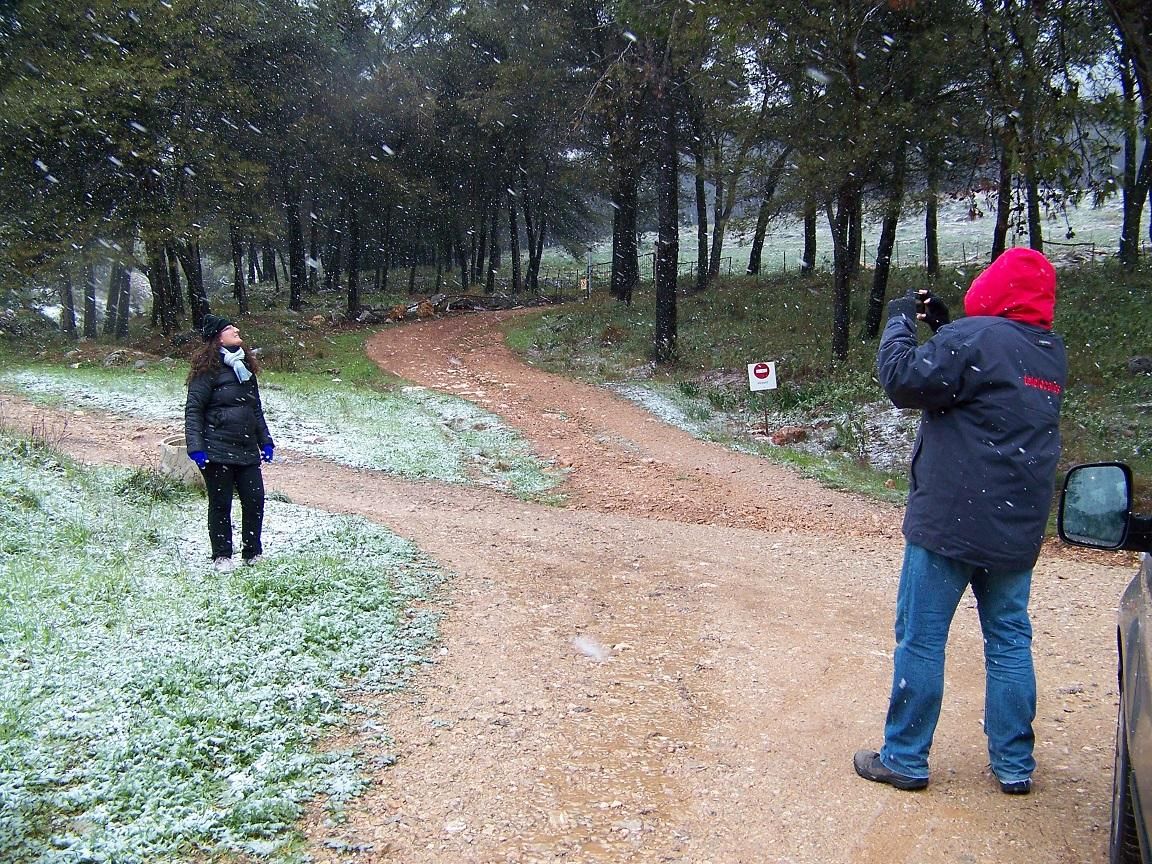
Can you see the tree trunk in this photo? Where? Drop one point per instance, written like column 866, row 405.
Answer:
column 161, row 286
column 530, row 237
column 701, row 218
column 757, row 250
column 480, row 250
column 117, row 302
column 276, row 274
column 254, row 275
column 313, row 282
column 625, row 259
column 89, row 300
column 462, row 252
column 335, row 244
column 112, row 298
column 268, row 256
column 839, row 221
column 386, row 247
column 886, row 244
column 240, row 288
column 719, row 226
column 932, row 224
column 668, row 234
column 535, row 251
column 514, row 245
column 1137, row 179
column 493, row 250
column 771, row 182
column 1035, row 223
column 124, row 301
column 856, row 236
column 188, row 254
column 808, row 259
column 353, row 259
column 1004, row 194
column 331, row 259
column 175, row 293
column 67, row 304
column 296, row 264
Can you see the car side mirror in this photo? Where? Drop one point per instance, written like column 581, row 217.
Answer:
column 1096, row 509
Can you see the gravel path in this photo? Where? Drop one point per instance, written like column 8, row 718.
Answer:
column 677, row 665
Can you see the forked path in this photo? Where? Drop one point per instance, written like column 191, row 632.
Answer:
column 677, row 665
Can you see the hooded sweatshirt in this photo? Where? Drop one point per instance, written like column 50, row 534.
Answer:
column 989, row 387
column 1020, row 285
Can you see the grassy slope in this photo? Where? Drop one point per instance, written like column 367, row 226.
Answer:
column 152, row 709
column 321, row 395
column 1104, row 315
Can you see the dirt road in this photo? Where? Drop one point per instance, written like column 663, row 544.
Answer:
column 678, row 665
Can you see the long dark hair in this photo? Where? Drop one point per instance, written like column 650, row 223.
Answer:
column 206, row 360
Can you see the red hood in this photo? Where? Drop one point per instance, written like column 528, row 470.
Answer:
column 1020, row 285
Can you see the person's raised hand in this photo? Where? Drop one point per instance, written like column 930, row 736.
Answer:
column 903, row 306
column 931, row 310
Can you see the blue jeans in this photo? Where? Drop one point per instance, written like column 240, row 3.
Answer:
column 930, row 590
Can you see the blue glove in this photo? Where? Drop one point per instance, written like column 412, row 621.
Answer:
column 266, row 451
column 200, row 458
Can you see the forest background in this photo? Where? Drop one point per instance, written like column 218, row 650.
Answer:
column 343, row 149
column 343, row 136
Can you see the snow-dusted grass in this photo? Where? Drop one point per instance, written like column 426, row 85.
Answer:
column 964, row 237
column 154, row 710
column 676, row 408
column 410, row 432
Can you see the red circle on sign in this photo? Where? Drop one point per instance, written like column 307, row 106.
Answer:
column 761, row 370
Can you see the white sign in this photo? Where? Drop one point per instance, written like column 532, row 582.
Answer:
column 762, row 376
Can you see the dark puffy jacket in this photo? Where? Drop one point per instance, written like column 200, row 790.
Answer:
column 225, row 419
column 984, row 464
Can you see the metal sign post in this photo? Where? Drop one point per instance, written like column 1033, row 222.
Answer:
column 762, row 376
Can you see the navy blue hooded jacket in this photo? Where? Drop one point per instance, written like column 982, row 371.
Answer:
column 984, row 464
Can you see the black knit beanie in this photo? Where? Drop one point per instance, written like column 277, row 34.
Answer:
column 213, row 326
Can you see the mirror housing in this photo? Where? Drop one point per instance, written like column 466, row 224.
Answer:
column 1096, row 509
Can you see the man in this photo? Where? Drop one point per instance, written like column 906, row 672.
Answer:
column 982, row 477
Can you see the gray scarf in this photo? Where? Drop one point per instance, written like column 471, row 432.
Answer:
column 235, row 359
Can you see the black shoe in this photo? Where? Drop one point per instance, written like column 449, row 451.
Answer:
column 868, row 765
column 1017, row 787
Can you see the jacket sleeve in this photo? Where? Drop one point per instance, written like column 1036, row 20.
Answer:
column 199, row 392
column 258, row 409
column 928, row 376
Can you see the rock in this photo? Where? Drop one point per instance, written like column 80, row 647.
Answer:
column 1140, row 365
column 789, row 435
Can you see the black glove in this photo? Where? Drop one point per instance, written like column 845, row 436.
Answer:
column 931, row 310
column 903, row 306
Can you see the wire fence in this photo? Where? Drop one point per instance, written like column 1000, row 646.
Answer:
column 576, row 284
column 562, row 284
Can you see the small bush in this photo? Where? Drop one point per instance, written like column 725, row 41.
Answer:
column 151, row 485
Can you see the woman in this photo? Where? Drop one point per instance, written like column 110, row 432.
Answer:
column 227, row 437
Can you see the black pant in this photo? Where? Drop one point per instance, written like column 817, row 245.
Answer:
column 248, row 483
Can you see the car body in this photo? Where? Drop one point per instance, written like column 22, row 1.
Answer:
column 1096, row 511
